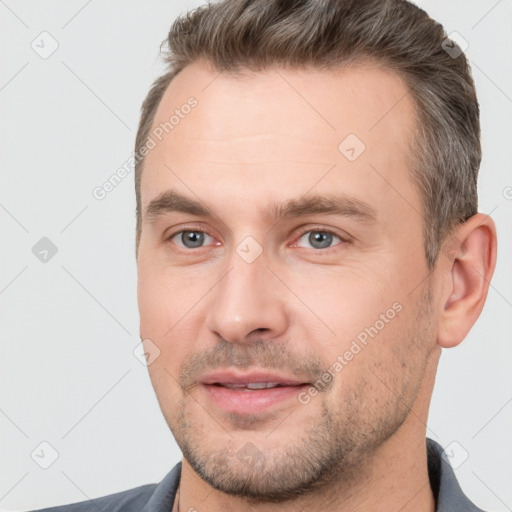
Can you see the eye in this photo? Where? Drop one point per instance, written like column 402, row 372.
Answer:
column 190, row 238
column 319, row 238
column 197, row 238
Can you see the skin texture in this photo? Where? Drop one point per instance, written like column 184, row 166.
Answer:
column 265, row 138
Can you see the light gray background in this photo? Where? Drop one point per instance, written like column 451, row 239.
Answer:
column 69, row 326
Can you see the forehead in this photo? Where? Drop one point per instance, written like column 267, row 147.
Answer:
column 280, row 130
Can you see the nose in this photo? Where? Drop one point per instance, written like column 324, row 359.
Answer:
column 248, row 304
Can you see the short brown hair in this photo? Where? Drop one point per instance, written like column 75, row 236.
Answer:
column 235, row 35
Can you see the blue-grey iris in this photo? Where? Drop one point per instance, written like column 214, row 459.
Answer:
column 192, row 239
column 321, row 238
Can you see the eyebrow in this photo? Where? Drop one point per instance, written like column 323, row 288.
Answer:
column 340, row 204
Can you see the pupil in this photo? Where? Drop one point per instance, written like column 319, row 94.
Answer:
column 320, row 240
column 192, row 238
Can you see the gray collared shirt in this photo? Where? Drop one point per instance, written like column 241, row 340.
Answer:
column 160, row 497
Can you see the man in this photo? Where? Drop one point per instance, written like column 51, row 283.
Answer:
column 307, row 242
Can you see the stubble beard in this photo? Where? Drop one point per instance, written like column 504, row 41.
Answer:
column 330, row 448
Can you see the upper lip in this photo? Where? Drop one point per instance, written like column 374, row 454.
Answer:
column 231, row 377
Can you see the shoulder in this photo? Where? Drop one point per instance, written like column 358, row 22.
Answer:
column 126, row 501
column 146, row 498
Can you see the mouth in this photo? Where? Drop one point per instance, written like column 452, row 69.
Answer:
column 250, row 393
column 251, row 386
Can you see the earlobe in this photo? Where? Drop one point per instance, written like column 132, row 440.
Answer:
column 471, row 258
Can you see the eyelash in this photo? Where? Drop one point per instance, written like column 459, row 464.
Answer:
column 297, row 237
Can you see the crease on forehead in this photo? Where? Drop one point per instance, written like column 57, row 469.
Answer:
column 360, row 65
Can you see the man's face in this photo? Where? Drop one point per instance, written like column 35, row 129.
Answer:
column 261, row 288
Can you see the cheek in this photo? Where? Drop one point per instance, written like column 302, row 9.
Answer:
column 344, row 299
column 169, row 301
column 365, row 324
column 165, row 295
column 374, row 366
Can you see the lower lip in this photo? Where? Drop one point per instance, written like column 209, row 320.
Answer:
column 250, row 401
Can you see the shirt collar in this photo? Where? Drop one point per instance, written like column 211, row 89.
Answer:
column 447, row 491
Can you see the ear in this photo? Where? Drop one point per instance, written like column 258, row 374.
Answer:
column 469, row 259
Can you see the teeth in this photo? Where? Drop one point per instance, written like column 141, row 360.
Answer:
column 252, row 385
column 262, row 385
